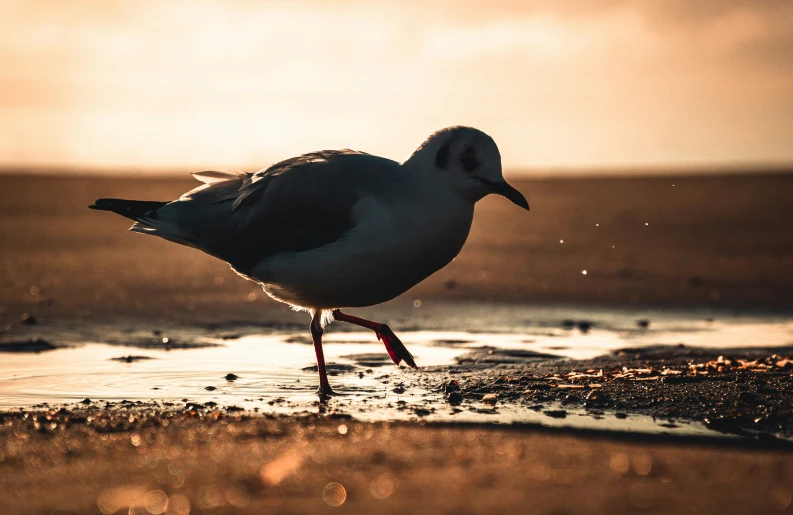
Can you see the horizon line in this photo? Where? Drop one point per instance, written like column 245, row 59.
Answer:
column 522, row 171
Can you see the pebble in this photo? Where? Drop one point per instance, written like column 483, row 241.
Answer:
column 454, row 398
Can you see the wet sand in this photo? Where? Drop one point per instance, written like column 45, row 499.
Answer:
column 722, row 242
column 736, row 392
column 595, row 376
column 192, row 457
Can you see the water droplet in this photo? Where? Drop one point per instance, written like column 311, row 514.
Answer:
column 619, row 463
column 334, row 494
column 176, row 478
column 382, row 487
column 155, row 502
column 237, row 495
column 641, row 495
column 583, row 272
column 642, row 464
column 561, row 241
column 780, row 496
column 540, row 471
column 178, row 504
column 417, row 303
column 342, row 429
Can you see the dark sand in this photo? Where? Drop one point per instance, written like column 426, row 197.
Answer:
column 737, row 392
column 723, row 242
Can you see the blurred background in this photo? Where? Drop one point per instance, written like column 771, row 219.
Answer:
column 587, row 85
column 653, row 139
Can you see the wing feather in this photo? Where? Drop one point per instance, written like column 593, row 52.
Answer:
column 213, row 176
column 296, row 205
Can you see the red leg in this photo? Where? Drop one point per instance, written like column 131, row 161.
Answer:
column 395, row 348
column 316, row 334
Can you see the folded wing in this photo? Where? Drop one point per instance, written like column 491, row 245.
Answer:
column 244, row 218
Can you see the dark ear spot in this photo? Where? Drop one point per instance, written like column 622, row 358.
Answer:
column 468, row 159
column 442, row 157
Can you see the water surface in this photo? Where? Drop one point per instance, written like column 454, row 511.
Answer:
column 274, row 371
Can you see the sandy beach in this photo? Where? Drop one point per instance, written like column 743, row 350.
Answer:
column 139, row 460
column 720, row 418
column 720, row 241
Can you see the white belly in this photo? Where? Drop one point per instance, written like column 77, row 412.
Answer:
column 388, row 252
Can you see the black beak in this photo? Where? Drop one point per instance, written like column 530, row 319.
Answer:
column 507, row 191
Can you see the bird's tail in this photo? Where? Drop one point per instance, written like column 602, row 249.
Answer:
column 133, row 209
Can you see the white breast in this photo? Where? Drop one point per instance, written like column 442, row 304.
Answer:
column 391, row 249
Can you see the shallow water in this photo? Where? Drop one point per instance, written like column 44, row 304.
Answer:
column 274, row 371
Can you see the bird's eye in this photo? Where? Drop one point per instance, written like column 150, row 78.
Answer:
column 468, row 159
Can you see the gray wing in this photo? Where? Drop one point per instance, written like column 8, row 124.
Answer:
column 295, row 205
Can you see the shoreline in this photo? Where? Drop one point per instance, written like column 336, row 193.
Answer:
column 677, row 388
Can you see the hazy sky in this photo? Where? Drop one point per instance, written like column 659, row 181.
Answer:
column 201, row 84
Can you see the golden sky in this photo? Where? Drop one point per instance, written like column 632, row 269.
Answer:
column 587, row 83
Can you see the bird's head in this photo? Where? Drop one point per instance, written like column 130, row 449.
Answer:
column 468, row 161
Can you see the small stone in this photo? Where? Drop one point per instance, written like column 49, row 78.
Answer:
column 29, row 319
column 596, row 397
column 555, row 413
column 85, row 401
column 231, row 377
column 210, row 388
column 570, row 399
column 454, row 398
column 451, row 386
column 490, row 398
column 749, row 397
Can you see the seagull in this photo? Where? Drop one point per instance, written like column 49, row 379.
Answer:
column 336, row 228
